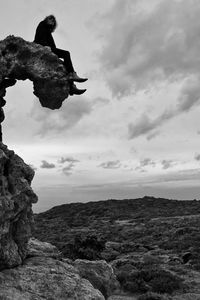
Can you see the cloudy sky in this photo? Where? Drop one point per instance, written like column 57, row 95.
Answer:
column 136, row 130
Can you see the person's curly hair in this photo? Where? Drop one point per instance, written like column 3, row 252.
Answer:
column 54, row 25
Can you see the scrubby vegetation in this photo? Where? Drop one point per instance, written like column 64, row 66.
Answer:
column 151, row 243
column 89, row 247
column 149, row 279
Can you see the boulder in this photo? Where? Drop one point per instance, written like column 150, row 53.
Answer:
column 45, row 278
column 20, row 60
column 38, row 248
column 16, row 216
column 100, row 274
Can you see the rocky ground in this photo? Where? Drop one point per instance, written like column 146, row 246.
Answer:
column 152, row 244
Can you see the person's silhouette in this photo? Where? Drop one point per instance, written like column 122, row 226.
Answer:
column 2, row 116
column 43, row 36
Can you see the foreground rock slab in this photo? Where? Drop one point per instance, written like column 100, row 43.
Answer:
column 45, row 278
column 22, row 60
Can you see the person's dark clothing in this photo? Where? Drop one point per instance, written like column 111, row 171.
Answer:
column 44, row 37
column 2, row 103
column 2, row 117
column 67, row 58
column 1, row 139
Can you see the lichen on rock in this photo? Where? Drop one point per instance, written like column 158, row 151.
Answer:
column 22, row 60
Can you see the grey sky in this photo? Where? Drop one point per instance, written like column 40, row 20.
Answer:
column 142, row 60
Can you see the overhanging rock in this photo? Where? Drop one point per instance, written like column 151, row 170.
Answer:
column 23, row 60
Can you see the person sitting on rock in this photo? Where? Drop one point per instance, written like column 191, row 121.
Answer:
column 43, row 36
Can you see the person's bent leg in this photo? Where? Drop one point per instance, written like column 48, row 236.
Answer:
column 67, row 59
column 0, row 133
column 68, row 65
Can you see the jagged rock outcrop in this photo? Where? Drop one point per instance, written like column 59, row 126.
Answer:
column 16, row 217
column 45, row 278
column 22, row 60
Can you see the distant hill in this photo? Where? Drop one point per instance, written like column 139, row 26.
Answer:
column 80, row 214
column 111, row 221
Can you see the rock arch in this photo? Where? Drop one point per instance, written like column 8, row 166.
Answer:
column 21, row 60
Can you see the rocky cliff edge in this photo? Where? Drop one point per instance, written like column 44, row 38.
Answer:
column 21, row 60
column 30, row 269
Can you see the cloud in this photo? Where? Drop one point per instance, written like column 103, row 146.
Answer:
column 68, row 169
column 166, row 164
column 62, row 160
column 47, row 165
column 152, row 135
column 101, row 101
column 63, row 119
column 148, row 41
column 182, row 175
column 71, row 163
column 197, row 157
column 145, row 162
column 112, row 164
column 142, row 126
column 189, row 97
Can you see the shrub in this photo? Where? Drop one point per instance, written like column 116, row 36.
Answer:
column 89, row 247
column 165, row 282
column 132, row 282
column 150, row 260
column 149, row 279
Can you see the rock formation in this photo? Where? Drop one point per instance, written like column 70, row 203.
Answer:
column 16, row 198
column 43, row 274
column 20, row 60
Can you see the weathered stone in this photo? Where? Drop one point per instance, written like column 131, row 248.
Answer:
column 16, row 198
column 100, row 274
column 38, row 248
column 22, row 60
column 45, row 278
